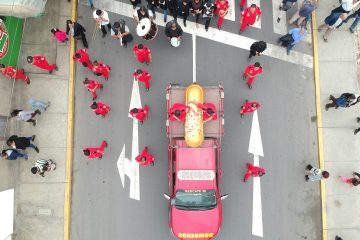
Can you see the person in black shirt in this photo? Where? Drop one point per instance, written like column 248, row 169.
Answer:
column 196, row 9
column 77, row 31
column 163, row 4
column 173, row 29
column 152, row 4
column 257, row 48
column 183, row 8
column 141, row 13
column 120, row 30
column 208, row 10
column 172, row 6
column 135, row 3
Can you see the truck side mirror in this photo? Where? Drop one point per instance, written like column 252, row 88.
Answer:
column 167, row 196
column 224, row 197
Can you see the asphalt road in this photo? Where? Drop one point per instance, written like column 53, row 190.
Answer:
column 101, row 207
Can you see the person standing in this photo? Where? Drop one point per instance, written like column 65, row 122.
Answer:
column 145, row 158
column 152, row 5
column 37, row 104
column 92, row 86
column 178, row 112
column 345, row 100
column 59, row 35
column 249, row 107
column 184, row 9
column 142, row 13
column 330, row 22
column 196, row 10
column 12, row 73
column 172, row 7
column 41, row 62
column 315, row 174
column 222, row 8
column 351, row 181
column 207, row 13
column 82, row 56
column 12, row 154
column 307, row 7
column 143, row 76
column 77, row 31
column 257, row 48
column 297, row 34
column 135, row 3
column 163, row 4
column 251, row 72
column 142, row 53
column 42, row 166
column 140, row 114
column 100, row 108
column 285, row 6
column 95, row 152
column 22, row 142
column 249, row 16
column 100, row 69
column 102, row 18
column 121, row 31
column 26, row 116
column 173, row 30
column 253, row 171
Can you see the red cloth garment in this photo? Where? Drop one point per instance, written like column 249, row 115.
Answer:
column 84, row 57
column 101, row 69
column 144, row 77
column 251, row 69
column 249, row 107
column 142, row 113
column 92, row 86
column 13, row 73
column 97, row 152
column 149, row 159
column 60, row 36
column 249, row 17
column 242, row 3
column 221, row 8
column 178, row 107
column 41, row 62
column 142, row 55
column 253, row 171
column 206, row 115
column 102, row 109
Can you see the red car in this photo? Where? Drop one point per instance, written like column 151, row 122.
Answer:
column 195, row 201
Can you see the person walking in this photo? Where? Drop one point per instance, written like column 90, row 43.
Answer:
column 172, row 7
column 294, row 36
column 100, row 108
column 330, row 22
column 13, row 73
column 285, row 6
column 207, row 13
column 140, row 114
column 42, row 166
column 100, row 69
column 82, row 56
column 345, row 6
column 307, row 7
column 163, row 4
column 152, row 5
column 41, row 62
column 253, row 171
column 173, row 30
column 102, row 18
column 184, row 9
column 77, row 31
column 354, row 181
column 26, row 116
column 249, row 107
column 222, row 9
column 95, row 152
column 92, row 86
column 249, row 16
column 196, row 10
column 59, row 35
column 12, row 154
column 178, row 112
column 39, row 105
column 121, row 31
column 143, row 76
column 142, row 53
column 356, row 16
column 22, row 142
column 257, row 48
column 134, row 3
column 345, row 100
column 251, row 72
column 142, row 13
column 315, row 174
column 358, row 129
column 145, row 158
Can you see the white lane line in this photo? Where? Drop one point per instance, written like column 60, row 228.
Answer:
column 257, row 24
column 281, row 27
column 194, row 57
column 231, row 13
column 231, row 39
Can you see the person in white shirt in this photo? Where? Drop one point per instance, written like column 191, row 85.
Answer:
column 102, row 18
column 346, row 6
column 332, row 21
column 141, row 13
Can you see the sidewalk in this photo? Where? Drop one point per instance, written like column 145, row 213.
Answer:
column 39, row 202
column 338, row 74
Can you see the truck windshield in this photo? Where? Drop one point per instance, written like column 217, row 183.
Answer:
column 195, row 199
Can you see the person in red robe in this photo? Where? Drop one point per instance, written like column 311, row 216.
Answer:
column 17, row 74
column 251, row 72
column 145, row 158
column 222, row 8
column 92, row 86
column 249, row 16
column 143, row 76
column 209, row 111
column 142, row 53
column 140, row 114
column 178, row 112
column 249, row 107
column 253, row 171
column 41, row 62
column 95, row 152
column 242, row 4
column 82, row 56
column 100, row 108
column 100, row 69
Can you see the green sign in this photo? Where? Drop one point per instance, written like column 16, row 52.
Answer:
column 10, row 40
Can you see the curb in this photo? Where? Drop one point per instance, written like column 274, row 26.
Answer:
column 319, row 124
column 70, row 132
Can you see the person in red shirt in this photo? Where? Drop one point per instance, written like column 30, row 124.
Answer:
column 242, row 4
column 249, row 107
column 92, row 86
column 209, row 111
column 100, row 108
column 251, row 71
column 100, row 69
column 145, row 158
column 253, row 171
column 143, row 76
column 17, row 74
column 140, row 114
column 222, row 8
column 248, row 17
column 178, row 112
column 142, row 54
column 82, row 56
column 41, row 62
column 95, row 152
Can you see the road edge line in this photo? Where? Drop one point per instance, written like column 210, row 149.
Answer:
column 70, row 131
column 319, row 123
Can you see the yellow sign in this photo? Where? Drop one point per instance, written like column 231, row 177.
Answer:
column 195, row 235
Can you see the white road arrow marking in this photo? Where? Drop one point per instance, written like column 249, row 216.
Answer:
column 255, row 147
column 126, row 166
